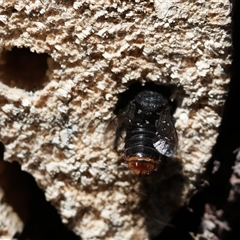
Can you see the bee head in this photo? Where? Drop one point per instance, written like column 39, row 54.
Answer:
column 150, row 101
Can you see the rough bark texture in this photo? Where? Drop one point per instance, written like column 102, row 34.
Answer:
column 56, row 103
column 10, row 221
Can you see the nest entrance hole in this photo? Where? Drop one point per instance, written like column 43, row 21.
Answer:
column 24, row 69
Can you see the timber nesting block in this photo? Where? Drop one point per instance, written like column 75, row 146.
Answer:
column 62, row 67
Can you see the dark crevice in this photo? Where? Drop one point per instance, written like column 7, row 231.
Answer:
column 40, row 218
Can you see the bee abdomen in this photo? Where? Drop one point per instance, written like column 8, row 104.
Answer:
column 140, row 136
column 140, row 153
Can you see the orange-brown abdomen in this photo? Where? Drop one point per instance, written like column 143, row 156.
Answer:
column 141, row 165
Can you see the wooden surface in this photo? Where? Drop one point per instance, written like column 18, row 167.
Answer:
column 63, row 64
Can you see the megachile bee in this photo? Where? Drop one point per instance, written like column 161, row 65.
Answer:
column 150, row 132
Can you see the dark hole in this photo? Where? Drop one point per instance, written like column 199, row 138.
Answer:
column 24, row 69
column 1, row 151
column 40, row 218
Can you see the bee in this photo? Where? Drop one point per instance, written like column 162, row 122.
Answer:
column 150, row 134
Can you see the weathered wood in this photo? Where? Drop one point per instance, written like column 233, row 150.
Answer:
column 55, row 127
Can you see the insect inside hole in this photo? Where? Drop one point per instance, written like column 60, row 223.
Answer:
column 150, row 132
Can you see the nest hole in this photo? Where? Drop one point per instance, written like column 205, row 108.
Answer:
column 24, row 69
